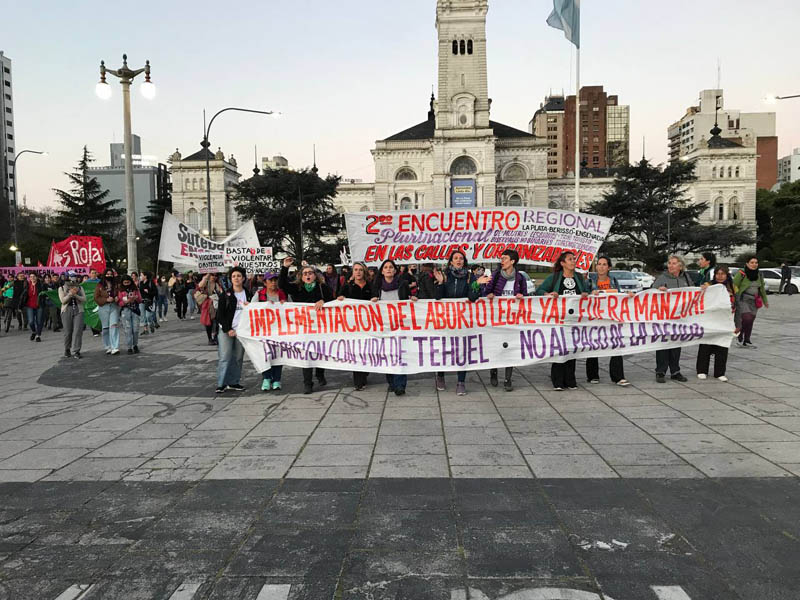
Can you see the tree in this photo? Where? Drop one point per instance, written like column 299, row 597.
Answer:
column 278, row 199
column 786, row 223
column 654, row 218
column 764, row 207
column 155, row 214
column 86, row 209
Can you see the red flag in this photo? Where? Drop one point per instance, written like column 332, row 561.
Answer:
column 78, row 251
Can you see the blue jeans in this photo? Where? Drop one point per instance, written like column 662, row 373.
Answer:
column 397, row 382
column 231, row 355
column 192, row 305
column 109, row 318
column 273, row 373
column 35, row 319
column 130, row 324
column 162, row 306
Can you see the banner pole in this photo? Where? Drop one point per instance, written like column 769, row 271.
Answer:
column 577, row 128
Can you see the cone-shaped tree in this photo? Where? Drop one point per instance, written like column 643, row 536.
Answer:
column 86, row 209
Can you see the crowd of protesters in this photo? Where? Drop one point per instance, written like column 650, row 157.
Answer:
column 134, row 305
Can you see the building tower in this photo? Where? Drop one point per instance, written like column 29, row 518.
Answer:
column 8, row 188
column 463, row 86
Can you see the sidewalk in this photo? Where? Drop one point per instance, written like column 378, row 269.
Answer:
column 154, row 417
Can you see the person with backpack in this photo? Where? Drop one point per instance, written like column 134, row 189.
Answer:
column 456, row 281
column 564, row 281
column 751, row 294
column 674, row 277
column 306, row 289
column 207, row 295
column 509, row 282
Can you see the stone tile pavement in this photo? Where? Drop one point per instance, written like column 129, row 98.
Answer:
column 153, row 417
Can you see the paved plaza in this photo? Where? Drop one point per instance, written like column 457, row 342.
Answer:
column 126, row 477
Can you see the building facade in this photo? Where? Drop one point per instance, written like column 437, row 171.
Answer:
column 458, row 156
column 8, row 188
column 548, row 123
column 189, row 202
column 789, row 168
column 684, row 135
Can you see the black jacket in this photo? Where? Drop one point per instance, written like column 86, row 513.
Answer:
column 148, row 290
column 298, row 293
column 403, row 292
column 352, row 291
column 227, row 308
column 426, row 286
column 179, row 288
column 453, row 287
column 23, row 297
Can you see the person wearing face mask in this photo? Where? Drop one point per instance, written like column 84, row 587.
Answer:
column 390, row 287
column 306, row 290
column 358, row 288
column 509, row 282
column 272, row 294
column 179, row 292
column 128, row 298
column 751, row 295
column 564, row 281
column 721, row 276
column 674, row 277
column 456, row 281
column 105, row 296
column 230, row 350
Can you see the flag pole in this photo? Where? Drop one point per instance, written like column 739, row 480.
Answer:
column 577, row 117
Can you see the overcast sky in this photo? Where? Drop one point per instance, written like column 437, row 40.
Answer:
column 350, row 72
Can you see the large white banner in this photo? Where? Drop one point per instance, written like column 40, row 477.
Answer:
column 182, row 244
column 457, row 335
column 538, row 234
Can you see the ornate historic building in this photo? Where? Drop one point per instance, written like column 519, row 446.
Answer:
column 458, row 156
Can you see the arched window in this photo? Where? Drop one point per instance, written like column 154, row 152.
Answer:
column 202, row 183
column 714, row 172
column 203, row 218
column 722, row 172
column 406, row 203
column 455, row 46
column 469, row 46
column 463, row 165
column 364, row 208
column 188, row 185
column 737, row 171
column 462, row 47
column 730, row 172
column 514, row 200
column 194, row 184
column 719, row 209
column 193, row 219
column 406, row 174
column 514, row 172
column 733, row 212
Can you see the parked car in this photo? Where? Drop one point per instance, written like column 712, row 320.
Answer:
column 627, row 280
column 795, row 271
column 646, row 279
column 772, row 281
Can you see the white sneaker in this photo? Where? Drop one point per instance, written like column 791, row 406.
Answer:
column 701, row 375
column 108, row 350
column 722, row 378
column 115, row 351
column 191, row 318
column 165, row 319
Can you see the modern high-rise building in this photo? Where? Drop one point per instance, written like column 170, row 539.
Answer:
column 789, row 167
column 8, row 188
column 685, row 134
column 605, row 131
column 118, row 152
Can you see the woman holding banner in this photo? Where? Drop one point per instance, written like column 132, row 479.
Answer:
column 306, row 290
column 358, row 288
column 105, row 296
column 506, row 281
column 564, row 281
column 271, row 378
column 230, row 350
column 605, row 284
column 457, row 281
column 673, row 278
column 390, row 287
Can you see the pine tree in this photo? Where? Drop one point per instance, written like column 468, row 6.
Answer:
column 86, row 208
column 155, row 214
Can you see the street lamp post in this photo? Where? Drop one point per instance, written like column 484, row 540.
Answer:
column 772, row 99
column 126, row 76
column 16, row 190
column 205, row 144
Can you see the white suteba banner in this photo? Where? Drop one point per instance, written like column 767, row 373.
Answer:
column 181, row 244
column 539, row 235
column 456, row 335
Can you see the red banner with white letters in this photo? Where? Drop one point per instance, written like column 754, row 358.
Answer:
column 78, row 251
